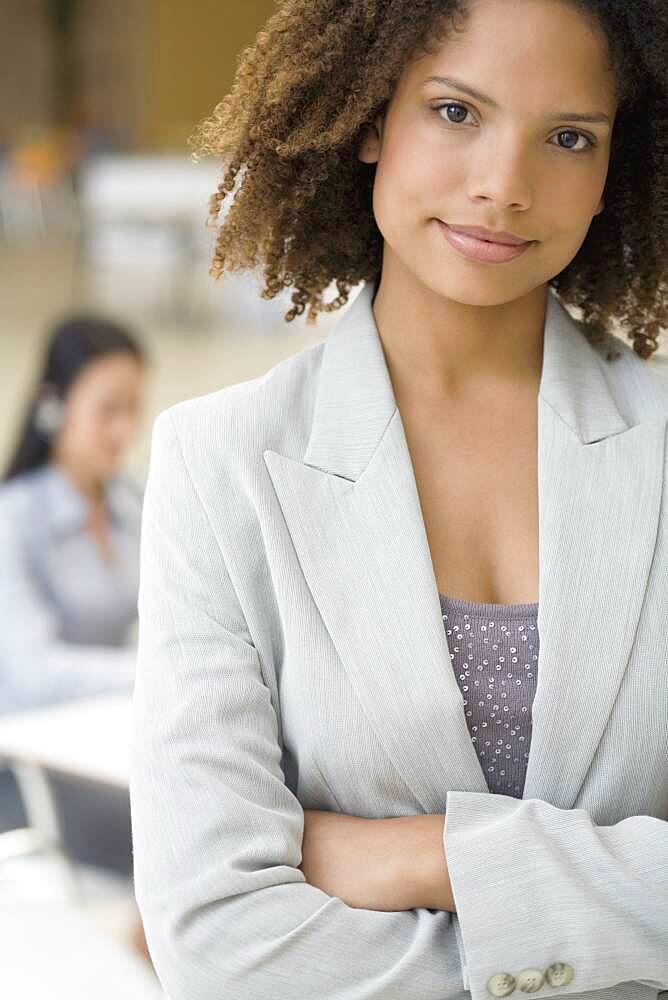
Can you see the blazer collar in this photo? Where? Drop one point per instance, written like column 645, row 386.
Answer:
column 353, row 512
column 355, row 398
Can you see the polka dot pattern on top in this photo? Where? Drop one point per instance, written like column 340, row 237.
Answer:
column 494, row 653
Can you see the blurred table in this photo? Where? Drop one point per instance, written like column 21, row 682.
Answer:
column 85, row 738
column 53, row 952
column 150, row 206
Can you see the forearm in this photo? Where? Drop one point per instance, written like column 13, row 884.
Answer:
column 394, row 863
column 421, row 863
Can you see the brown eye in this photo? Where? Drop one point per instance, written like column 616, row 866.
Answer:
column 457, row 112
column 578, row 135
column 460, row 110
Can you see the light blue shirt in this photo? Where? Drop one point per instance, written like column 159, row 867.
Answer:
column 69, row 616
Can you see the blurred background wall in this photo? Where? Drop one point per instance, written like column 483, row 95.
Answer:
column 101, row 205
column 143, row 69
column 208, row 35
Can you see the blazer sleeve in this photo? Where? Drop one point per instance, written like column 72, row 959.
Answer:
column 217, row 834
column 37, row 666
column 564, row 890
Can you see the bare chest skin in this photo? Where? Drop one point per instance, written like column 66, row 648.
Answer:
column 476, row 475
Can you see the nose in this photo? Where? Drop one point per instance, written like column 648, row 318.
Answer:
column 500, row 176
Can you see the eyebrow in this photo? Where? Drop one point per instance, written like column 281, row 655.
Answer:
column 449, row 81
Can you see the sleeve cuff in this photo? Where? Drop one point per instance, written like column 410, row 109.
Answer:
column 462, row 953
column 511, row 886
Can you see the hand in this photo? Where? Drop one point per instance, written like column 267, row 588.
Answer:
column 377, row 864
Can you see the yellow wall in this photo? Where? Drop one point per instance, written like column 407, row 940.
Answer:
column 189, row 53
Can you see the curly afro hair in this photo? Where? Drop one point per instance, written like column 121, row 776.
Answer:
column 316, row 76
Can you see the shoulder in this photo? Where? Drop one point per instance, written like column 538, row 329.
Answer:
column 242, row 420
column 22, row 502
column 18, row 494
column 640, row 387
column 658, row 374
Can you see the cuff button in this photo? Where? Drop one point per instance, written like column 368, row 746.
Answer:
column 530, row 980
column 559, row 974
column 501, row 985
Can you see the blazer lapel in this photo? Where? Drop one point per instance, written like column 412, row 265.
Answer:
column 353, row 512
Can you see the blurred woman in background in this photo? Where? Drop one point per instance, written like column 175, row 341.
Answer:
column 69, row 554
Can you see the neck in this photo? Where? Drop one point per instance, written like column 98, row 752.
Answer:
column 88, row 485
column 442, row 351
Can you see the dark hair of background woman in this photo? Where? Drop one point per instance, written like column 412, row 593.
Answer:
column 320, row 71
column 71, row 346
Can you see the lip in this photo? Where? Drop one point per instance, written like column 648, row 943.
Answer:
column 476, row 248
column 509, row 239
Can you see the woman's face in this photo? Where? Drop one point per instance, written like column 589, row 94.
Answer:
column 101, row 413
column 525, row 165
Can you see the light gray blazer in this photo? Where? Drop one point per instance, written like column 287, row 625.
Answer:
column 292, row 655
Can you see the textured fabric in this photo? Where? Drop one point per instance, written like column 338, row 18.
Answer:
column 292, row 655
column 494, row 651
column 68, row 614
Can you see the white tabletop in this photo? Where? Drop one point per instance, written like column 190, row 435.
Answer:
column 86, row 737
column 53, row 952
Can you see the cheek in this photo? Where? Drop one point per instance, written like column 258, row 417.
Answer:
column 573, row 195
column 413, row 183
column 89, row 429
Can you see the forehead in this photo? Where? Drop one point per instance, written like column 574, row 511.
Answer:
column 111, row 370
column 548, row 49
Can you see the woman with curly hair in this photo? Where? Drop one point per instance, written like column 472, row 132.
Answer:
column 401, row 712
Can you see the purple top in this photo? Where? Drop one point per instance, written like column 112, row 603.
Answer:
column 494, row 653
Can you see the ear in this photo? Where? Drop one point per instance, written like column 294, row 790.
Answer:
column 371, row 142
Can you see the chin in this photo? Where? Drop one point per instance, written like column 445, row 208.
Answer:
column 476, row 292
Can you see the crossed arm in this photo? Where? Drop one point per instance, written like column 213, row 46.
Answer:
column 379, row 864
